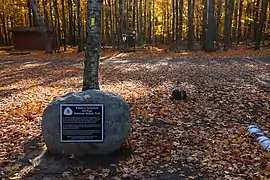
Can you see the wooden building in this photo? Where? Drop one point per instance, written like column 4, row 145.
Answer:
column 31, row 38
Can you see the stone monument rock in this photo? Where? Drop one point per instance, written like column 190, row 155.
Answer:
column 90, row 122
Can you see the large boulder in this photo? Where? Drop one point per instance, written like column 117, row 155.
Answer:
column 116, row 123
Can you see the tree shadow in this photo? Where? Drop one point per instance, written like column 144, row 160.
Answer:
column 38, row 162
column 36, row 73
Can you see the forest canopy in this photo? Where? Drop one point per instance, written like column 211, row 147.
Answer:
column 196, row 24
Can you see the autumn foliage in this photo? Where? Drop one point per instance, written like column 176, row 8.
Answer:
column 203, row 136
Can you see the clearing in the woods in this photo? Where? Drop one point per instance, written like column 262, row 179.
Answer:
column 202, row 137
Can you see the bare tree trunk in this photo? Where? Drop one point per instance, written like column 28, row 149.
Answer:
column 177, row 22
column 57, row 25
column 173, row 20
column 46, row 19
column 246, row 24
column 239, row 33
column 140, row 24
column 204, row 23
column 190, row 25
column 228, row 24
column 145, row 20
column 91, row 62
column 181, row 19
column 29, row 14
column 70, row 19
column 51, row 12
column 79, row 23
column 111, row 24
column 64, row 25
column 210, row 30
column 261, row 25
column 42, row 27
column 219, row 9
column 256, row 20
column 149, row 23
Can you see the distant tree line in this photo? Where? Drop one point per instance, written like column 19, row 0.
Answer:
column 208, row 24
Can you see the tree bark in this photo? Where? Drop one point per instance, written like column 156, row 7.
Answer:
column 219, row 10
column 149, row 22
column 112, row 39
column 210, row 30
column 239, row 33
column 256, row 20
column 42, row 27
column 261, row 25
column 91, row 62
column 173, row 20
column 79, row 23
column 234, row 30
column 177, row 22
column 57, row 25
column 29, row 14
column 64, row 25
column 70, row 19
column 190, row 25
column 228, row 25
column 181, row 19
column 204, row 24
column 140, row 24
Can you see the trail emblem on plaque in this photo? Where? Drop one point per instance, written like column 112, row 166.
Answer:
column 68, row 111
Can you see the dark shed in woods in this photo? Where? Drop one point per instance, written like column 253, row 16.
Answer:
column 31, row 39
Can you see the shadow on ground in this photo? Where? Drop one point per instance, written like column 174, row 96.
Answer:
column 38, row 162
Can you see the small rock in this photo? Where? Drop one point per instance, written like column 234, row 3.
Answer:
column 190, row 159
column 91, row 177
column 66, row 174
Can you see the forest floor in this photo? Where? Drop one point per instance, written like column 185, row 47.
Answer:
column 202, row 137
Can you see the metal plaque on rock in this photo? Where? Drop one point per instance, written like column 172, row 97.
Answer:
column 81, row 123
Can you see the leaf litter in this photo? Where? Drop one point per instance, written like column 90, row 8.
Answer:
column 204, row 134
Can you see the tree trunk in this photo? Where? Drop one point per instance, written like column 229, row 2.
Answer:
column 228, row 25
column 70, row 19
column 149, row 23
column 181, row 11
column 1, row 37
column 29, row 14
column 153, row 24
column 57, row 25
column 51, row 12
column 256, row 20
column 219, row 10
column 261, row 25
column 91, row 62
column 239, row 33
column 111, row 24
column 140, row 24
column 177, row 22
column 121, row 24
column 46, row 19
column 145, row 21
column 64, row 26
column 134, row 14
column 210, row 33
column 235, row 21
column 168, row 23
column 246, row 24
column 5, row 38
column 173, row 20
column 42, row 27
column 204, row 24
column 190, row 25
column 79, row 23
